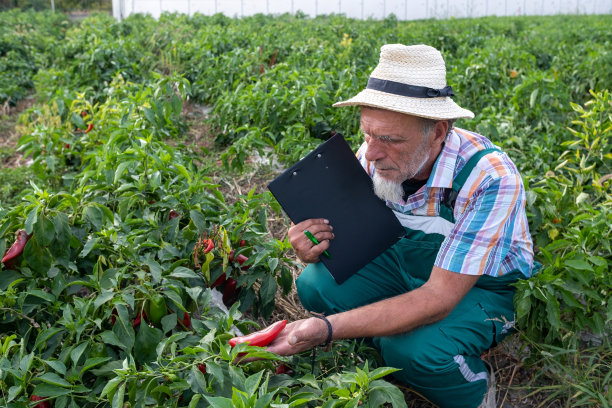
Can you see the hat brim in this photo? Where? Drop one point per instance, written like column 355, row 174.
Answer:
column 431, row 108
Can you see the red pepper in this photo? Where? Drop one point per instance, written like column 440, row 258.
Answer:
column 17, row 248
column 141, row 315
column 229, row 293
column 284, row 369
column 89, row 127
column 173, row 214
column 83, row 114
column 220, row 281
column 113, row 317
column 186, row 320
column 43, row 404
column 202, row 368
column 67, row 146
column 242, row 242
column 260, row 338
column 208, row 245
column 240, row 259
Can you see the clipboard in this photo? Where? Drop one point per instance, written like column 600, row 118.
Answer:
column 331, row 183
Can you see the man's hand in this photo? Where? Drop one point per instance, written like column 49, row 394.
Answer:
column 299, row 336
column 305, row 250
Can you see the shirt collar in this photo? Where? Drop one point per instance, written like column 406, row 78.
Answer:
column 444, row 167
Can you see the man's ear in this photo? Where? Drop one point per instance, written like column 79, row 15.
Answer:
column 440, row 131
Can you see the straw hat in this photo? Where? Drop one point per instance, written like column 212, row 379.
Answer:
column 410, row 79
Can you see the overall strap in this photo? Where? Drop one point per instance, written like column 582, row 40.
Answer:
column 450, row 195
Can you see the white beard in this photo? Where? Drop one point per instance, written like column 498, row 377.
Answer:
column 387, row 190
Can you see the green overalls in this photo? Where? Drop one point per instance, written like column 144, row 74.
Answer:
column 442, row 360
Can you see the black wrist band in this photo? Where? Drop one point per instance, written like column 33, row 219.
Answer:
column 330, row 332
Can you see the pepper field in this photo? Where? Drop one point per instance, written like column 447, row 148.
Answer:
column 131, row 148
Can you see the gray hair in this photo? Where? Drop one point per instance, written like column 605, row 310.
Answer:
column 427, row 125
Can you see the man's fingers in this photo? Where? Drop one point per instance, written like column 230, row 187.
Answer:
column 305, row 248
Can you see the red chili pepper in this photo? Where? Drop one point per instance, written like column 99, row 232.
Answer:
column 67, row 146
column 113, row 317
column 220, row 281
column 141, row 316
column 240, row 259
column 186, row 320
column 260, row 338
column 229, row 293
column 208, row 245
column 202, row 368
column 17, row 248
column 173, row 214
column 89, row 127
column 242, row 242
column 43, row 404
column 83, row 114
column 284, row 369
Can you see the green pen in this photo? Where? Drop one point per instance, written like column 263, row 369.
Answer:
column 314, row 241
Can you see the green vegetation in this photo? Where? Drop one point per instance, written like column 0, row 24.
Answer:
column 119, row 219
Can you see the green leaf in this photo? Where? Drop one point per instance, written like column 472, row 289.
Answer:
column 182, row 272
column 110, row 387
column 50, row 390
column 42, row 295
column 31, row 219
column 44, row 230
column 111, row 338
column 38, row 258
column 150, row 115
column 62, row 228
column 169, row 322
column 177, row 104
column 77, row 121
column 194, row 400
column 54, row 379
column 94, row 214
column 146, row 343
column 45, row 335
column 104, row 297
column 119, row 397
column 175, row 298
column 13, row 392
column 198, row 220
column 93, row 362
column 183, row 172
column 123, row 328
column 89, row 245
column 579, row 264
column 77, row 352
column 155, row 269
column 252, row 383
column 194, row 293
column 57, row 366
column 381, row 372
column 219, row 402
column 382, row 392
column 120, row 170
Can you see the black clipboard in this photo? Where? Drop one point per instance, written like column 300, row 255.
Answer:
column 331, row 183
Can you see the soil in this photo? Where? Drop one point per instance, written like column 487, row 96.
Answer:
column 9, row 136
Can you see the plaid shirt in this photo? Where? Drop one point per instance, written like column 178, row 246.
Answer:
column 490, row 235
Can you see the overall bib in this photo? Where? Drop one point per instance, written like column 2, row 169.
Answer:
column 442, row 360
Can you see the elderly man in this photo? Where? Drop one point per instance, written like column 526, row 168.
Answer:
column 439, row 297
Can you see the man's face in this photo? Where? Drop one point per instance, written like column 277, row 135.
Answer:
column 396, row 145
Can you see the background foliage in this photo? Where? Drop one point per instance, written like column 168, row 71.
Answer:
column 118, row 210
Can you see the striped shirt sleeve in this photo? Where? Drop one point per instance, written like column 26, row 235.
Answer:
column 482, row 235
